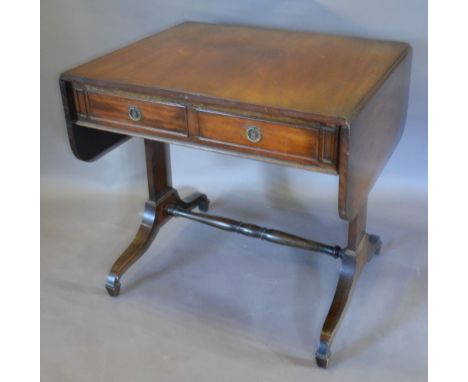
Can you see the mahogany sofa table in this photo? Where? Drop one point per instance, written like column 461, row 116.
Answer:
column 319, row 102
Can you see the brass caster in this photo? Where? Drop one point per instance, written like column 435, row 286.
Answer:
column 322, row 355
column 113, row 285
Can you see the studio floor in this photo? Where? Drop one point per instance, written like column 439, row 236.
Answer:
column 205, row 305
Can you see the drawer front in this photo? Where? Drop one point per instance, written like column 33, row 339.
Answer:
column 276, row 138
column 136, row 112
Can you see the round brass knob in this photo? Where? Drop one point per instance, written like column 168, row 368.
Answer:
column 253, row 134
column 134, row 113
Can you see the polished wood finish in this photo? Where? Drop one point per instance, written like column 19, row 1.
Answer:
column 86, row 144
column 255, row 231
column 159, row 188
column 277, row 140
column 288, row 71
column 360, row 249
column 104, row 108
column 160, row 195
column 310, row 145
column 323, row 103
column 305, row 79
column 368, row 142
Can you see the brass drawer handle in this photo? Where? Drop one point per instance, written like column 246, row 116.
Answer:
column 253, row 134
column 134, row 113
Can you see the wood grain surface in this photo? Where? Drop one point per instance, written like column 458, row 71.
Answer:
column 306, row 72
column 326, row 103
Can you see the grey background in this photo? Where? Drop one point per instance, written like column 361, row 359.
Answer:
column 211, row 305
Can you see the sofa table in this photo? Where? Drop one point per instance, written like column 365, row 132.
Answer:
column 318, row 102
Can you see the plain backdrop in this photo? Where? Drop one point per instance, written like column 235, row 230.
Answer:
column 205, row 303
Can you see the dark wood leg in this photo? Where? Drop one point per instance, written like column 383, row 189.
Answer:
column 361, row 247
column 143, row 239
column 161, row 193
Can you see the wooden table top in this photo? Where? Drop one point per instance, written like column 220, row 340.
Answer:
column 314, row 74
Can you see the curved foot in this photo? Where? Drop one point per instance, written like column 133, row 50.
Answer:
column 348, row 275
column 152, row 220
column 353, row 261
column 195, row 200
column 143, row 238
column 161, row 193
